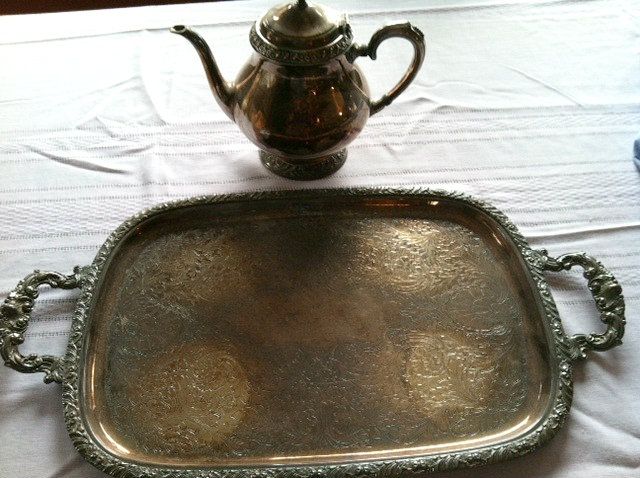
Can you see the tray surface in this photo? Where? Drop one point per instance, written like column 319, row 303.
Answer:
column 260, row 333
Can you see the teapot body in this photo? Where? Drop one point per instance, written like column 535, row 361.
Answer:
column 300, row 113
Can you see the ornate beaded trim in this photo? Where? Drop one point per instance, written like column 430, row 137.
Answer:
column 300, row 57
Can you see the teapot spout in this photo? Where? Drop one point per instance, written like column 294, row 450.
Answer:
column 222, row 90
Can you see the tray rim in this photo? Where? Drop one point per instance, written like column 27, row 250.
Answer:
column 561, row 351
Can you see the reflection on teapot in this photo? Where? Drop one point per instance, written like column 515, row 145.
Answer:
column 300, row 98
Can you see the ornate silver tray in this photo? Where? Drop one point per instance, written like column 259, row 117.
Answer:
column 337, row 332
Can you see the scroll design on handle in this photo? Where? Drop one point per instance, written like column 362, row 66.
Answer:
column 607, row 295
column 400, row 30
column 15, row 313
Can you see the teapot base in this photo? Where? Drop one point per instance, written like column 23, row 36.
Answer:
column 316, row 168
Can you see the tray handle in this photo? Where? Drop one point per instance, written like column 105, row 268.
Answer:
column 15, row 313
column 607, row 295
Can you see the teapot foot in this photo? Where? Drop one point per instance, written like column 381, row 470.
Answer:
column 316, row 168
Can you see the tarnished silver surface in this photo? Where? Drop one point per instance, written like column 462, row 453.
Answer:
column 288, row 336
column 300, row 97
column 340, row 332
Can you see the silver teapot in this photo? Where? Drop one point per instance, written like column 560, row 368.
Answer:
column 300, row 97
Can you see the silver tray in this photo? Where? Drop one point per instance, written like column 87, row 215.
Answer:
column 293, row 334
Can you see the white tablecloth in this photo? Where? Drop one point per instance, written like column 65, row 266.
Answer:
column 533, row 107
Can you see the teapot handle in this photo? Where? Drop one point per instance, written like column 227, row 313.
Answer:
column 400, row 30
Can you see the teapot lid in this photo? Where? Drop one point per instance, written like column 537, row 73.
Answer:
column 301, row 33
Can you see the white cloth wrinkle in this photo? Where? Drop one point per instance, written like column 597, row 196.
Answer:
column 545, row 84
column 78, row 163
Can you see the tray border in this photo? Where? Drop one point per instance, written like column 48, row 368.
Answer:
column 561, row 350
